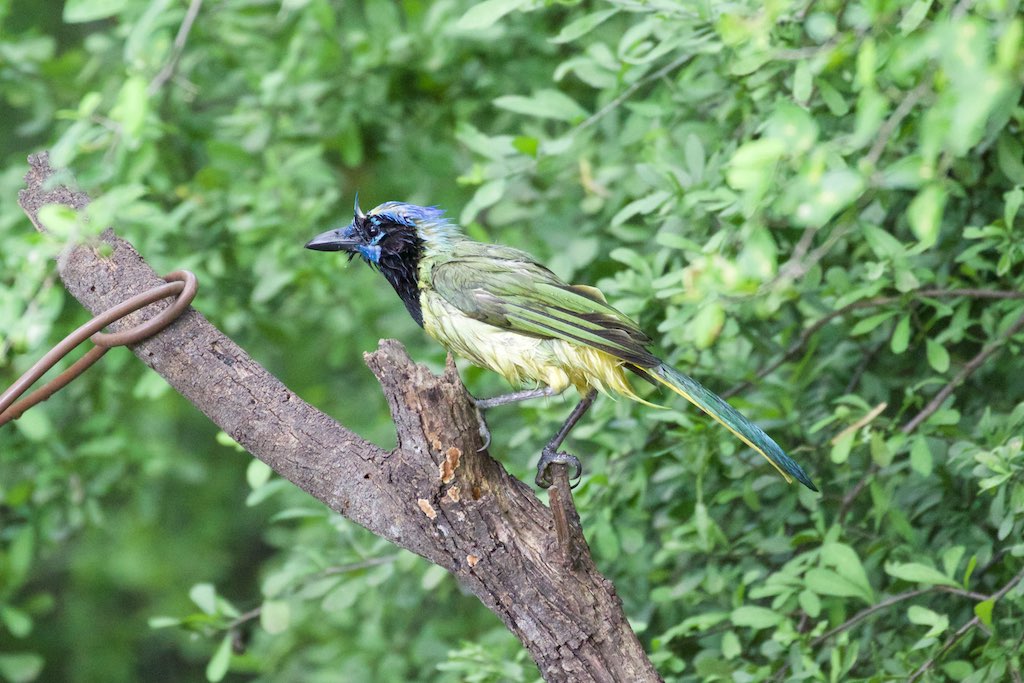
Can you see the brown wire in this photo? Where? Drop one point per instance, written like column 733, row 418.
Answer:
column 181, row 283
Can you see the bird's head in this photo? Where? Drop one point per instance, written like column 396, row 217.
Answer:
column 380, row 236
column 392, row 238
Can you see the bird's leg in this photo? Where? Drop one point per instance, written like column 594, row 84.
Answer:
column 486, row 403
column 525, row 395
column 551, row 456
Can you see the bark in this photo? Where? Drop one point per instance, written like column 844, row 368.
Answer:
column 434, row 494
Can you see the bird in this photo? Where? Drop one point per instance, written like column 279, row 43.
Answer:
column 498, row 307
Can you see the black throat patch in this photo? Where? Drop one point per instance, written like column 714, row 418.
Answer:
column 402, row 271
column 395, row 249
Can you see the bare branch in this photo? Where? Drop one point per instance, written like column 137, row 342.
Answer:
column 167, row 72
column 435, row 494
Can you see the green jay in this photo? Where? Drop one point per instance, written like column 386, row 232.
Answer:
column 500, row 309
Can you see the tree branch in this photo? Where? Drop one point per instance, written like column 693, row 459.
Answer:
column 801, row 341
column 965, row 629
column 434, row 494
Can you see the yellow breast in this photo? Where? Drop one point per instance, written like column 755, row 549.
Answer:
column 522, row 359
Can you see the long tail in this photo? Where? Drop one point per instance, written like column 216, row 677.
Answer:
column 716, row 407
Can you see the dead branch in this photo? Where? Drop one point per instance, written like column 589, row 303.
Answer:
column 434, row 494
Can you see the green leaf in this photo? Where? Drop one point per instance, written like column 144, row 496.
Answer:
column 629, row 258
column 432, row 577
column 983, row 610
column 486, row 196
column 951, row 558
column 753, row 163
column 915, row 572
column 921, row 456
column 204, row 596
column 642, row 207
column 810, row 603
column 802, row 82
column 544, row 104
column 872, row 107
column 938, row 357
column 257, row 473
column 583, row 25
column 1013, row 200
column 163, row 622
column 925, row 214
column 871, row 322
column 834, row 100
column 923, row 616
column 224, row 439
column 526, row 144
column 731, row 647
column 1010, row 157
column 707, row 324
column 20, row 553
column 218, row 666
column 756, row 617
column 132, row 107
column 695, row 157
column 844, row 559
column 867, row 63
column 20, row 667
column 827, row 582
column 81, row 11
column 793, row 126
column 485, row 14
column 841, row 449
column 16, row 621
column 838, row 188
column 908, row 173
column 900, row 336
column 971, row 566
column 914, row 15
column 275, row 616
column 820, row 26
column 62, row 221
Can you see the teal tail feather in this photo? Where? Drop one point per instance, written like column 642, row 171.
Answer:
column 744, row 429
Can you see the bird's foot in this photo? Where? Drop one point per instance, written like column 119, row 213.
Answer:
column 485, row 433
column 548, row 457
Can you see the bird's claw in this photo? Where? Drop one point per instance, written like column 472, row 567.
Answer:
column 485, row 433
column 549, row 457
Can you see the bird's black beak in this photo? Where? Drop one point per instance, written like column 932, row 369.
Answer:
column 333, row 240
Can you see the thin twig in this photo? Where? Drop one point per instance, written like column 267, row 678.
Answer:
column 887, row 129
column 863, row 421
column 329, row 571
column 965, row 372
column 888, row 602
column 868, row 611
column 810, row 331
column 936, row 403
column 851, row 495
column 29, row 311
column 965, row 629
column 862, row 367
column 167, row 72
column 631, row 90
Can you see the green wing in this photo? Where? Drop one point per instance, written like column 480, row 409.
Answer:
column 506, row 288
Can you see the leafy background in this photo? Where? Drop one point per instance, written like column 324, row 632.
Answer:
column 814, row 204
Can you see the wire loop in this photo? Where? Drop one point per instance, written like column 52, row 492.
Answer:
column 181, row 283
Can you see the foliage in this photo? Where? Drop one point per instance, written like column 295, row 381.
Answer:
column 813, row 202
